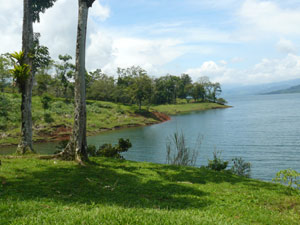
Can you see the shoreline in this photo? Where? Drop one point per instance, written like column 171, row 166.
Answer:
column 63, row 132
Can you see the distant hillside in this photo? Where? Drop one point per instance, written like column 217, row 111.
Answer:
column 293, row 89
column 258, row 89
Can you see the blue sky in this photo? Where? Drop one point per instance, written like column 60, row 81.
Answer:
column 231, row 41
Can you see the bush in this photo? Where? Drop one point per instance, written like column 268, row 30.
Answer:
column 3, row 123
column 46, row 100
column 217, row 163
column 4, row 106
column 61, row 146
column 107, row 150
column 288, row 177
column 178, row 153
column 60, row 108
column 92, row 150
column 221, row 101
column 48, row 118
column 93, row 108
column 240, row 167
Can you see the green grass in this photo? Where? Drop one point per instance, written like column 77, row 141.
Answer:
column 185, row 108
column 101, row 116
column 109, row 191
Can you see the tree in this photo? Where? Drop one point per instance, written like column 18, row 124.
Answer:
column 141, row 88
column 100, row 86
column 216, row 91
column 77, row 147
column 31, row 11
column 198, row 91
column 184, row 82
column 64, row 72
column 4, row 71
column 137, row 84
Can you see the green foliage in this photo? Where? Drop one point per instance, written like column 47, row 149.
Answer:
column 288, row 177
column 107, row 150
column 21, row 71
column 221, row 101
column 241, row 168
column 64, row 73
column 41, row 56
column 46, row 100
column 4, row 106
column 3, row 123
column 48, row 118
column 178, row 153
column 217, row 163
column 92, row 150
column 4, row 71
column 61, row 146
column 40, row 6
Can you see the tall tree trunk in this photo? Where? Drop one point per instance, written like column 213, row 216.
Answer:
column 77, row 147
column 26, row 90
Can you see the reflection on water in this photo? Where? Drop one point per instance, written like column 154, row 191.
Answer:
column 263, row 129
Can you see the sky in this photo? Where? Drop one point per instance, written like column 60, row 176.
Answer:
column 234, row 42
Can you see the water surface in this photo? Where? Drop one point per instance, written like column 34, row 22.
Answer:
column 262, row 129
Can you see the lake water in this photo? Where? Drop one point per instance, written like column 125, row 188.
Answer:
column 262, row 129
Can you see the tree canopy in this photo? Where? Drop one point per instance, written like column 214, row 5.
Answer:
column 40, row 6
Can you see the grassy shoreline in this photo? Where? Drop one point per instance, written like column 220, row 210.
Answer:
column 110, row 191
column 101, row 117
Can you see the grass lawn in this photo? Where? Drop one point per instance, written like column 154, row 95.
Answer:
column 109, row 191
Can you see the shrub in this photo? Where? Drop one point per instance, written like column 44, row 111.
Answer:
column 46, row 100
column 107, row 150
column 221, row 101
column 240, row 167
column 217, row 163
column 48, row 118
column 3, row 123
column 178, row 153
column 288, row 177
column 4, row 106
column 93, row 108
column 92, row 150
column 61, row 146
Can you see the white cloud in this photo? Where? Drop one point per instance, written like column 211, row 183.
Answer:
column 261, row 17
column 100, row 50
column 99, row 11
column 268, row 70
column 10, row 25
column 58, row 29
column 149, row 54
column 286, row 46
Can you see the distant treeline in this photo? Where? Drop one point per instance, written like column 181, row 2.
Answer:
column 130, row 86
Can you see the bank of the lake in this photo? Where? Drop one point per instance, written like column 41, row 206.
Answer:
column 109, row 191
column 101, row 117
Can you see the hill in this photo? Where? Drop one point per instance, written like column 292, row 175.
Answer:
column 56, row 123
column 258, row 89
column 109, row 191
column 293, row 89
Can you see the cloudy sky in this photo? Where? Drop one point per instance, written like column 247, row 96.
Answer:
column 230, row 41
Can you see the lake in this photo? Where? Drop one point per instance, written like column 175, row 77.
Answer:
column 262, row 129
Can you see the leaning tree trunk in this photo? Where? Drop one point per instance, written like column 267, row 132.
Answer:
column 77, row 147
column 26, row 89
